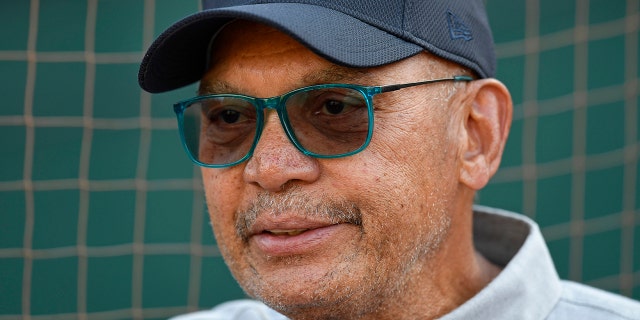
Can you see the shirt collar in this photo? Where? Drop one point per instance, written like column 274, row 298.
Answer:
column 528, row 287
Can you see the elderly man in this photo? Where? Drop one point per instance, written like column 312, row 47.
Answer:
column 341, row 145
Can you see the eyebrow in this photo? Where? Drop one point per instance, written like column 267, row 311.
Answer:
column 216, row 87
column 336, row 73
column 332, row 74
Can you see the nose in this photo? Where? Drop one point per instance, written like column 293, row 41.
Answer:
column 276, row 161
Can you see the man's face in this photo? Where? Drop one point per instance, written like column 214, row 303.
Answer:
column 310, row 235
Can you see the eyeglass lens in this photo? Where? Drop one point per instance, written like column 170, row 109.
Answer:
column 323, row 122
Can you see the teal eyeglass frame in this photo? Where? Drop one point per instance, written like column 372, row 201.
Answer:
column 277, row 103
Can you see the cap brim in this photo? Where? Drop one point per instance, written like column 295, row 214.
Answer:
column 178, row 57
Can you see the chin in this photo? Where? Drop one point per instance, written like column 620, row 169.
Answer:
column 324, row 291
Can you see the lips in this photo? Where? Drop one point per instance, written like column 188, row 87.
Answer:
column 294, row 223
column 279, row 232
column 293, row 236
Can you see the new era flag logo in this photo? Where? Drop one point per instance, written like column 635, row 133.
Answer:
column 457, row 28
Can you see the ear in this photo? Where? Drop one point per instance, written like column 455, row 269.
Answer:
column 488, row 110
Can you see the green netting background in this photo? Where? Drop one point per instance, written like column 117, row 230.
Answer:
column 102, row 215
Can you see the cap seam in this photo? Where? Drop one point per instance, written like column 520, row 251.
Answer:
column 405, row 20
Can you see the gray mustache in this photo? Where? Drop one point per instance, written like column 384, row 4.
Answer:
column 321, row 208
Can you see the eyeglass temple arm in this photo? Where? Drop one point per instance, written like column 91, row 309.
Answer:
column 395, row 87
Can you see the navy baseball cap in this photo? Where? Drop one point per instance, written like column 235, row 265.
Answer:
column 353, row 33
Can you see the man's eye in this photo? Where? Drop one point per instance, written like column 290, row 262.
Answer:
column 333, row 107
column 341, row 106
column 227, row 116
column 230, row 116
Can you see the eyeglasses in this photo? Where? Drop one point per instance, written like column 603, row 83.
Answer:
column 322, row 121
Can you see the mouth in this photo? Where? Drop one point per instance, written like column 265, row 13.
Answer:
column 295, row 223
column 283, row 232
column 289, row 241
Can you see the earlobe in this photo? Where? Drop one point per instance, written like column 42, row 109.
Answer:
column 488, row 120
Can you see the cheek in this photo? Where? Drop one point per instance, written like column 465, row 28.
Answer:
column 417, row 149
column 407, row 173
column 223, row 196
